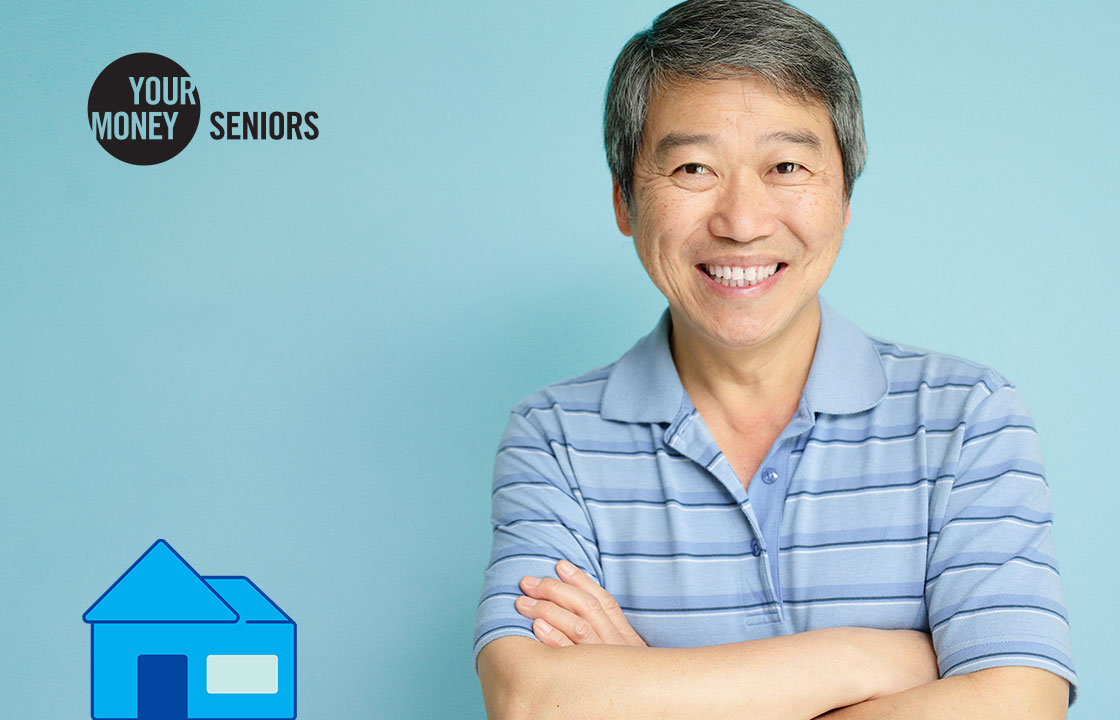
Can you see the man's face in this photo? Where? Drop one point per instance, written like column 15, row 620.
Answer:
column 733, row 179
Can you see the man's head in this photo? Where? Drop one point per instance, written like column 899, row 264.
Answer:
column 723, row 39
column 734, row 135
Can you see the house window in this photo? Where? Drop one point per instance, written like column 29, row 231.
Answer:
column 241, row 674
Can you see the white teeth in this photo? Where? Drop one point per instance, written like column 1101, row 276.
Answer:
column 737, row 276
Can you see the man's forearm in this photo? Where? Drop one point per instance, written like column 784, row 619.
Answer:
column 1003, row 693
column 796, row 677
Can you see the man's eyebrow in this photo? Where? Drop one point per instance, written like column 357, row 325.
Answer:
column 675, row 140
column 797, row 137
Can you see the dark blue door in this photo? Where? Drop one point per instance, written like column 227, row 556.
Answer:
column 161, row 687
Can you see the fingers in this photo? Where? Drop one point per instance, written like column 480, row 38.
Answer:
column 555, row 626
column 569, row 609
column 549, row 635
column 573, row 575
column 577, row 607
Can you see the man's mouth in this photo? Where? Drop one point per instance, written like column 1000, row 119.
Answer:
column 736, row 276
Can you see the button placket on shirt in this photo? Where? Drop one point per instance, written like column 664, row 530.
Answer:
column 690, row 437
column 762, row 500
column 769, row 496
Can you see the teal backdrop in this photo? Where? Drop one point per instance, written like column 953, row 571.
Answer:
column 293, row 360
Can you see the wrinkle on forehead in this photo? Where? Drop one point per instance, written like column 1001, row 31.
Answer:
column 750, row 100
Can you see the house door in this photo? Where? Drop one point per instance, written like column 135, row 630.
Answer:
column 161, row 687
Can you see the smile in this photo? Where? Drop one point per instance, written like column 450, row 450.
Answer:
column 735, row 276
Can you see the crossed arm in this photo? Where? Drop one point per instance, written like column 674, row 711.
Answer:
column 590, row 663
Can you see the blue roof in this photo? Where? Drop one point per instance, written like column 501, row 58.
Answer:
column 161, row 587
column 247, row 599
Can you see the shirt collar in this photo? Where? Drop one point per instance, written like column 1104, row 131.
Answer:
column 846, row 376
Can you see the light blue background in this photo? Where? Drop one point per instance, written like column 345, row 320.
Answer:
column 293, row 360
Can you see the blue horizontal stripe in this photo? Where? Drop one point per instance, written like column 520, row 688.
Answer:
column 520, row 483
column 986, row 473
column 987, row 556
column 588, row 378
column 865, row 488
column 827, row 434
column 850, row 598
column 976, row 602
column 912, row 388
column 586, row 446
column 1007, row 421
column 919, row 430
column 603, row 553
column 856, row 535
column 668, row 502
column 923, row 475
column 892, row 351
column 966, row 518
column 817, row 592
column 991, row 564
column 658, row 547
column 698, row 610
column 985, row 608
column 501, row 590
column 529, row 552
column 501, row 628
column 505, row 524
column 1048, row 656
column 1022, row 649
column 654, row 494
column 699, row 603
column 848, row 543
column 947, row 380
column 1022, row 512
column 1003, row 428
column 569, row 407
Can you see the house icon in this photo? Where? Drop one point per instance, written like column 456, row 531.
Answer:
column 169, row 644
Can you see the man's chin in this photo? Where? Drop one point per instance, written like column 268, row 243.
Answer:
column 738, row 335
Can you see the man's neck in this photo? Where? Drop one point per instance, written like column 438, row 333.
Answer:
column 744, row 384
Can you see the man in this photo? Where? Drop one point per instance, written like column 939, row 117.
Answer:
column 759, row 511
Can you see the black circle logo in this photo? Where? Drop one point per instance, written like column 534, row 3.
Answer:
column 143, row 108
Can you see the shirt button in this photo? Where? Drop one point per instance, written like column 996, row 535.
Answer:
column 756, row 549
column 769, row 475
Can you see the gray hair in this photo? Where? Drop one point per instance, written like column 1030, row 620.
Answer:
column 723, row 39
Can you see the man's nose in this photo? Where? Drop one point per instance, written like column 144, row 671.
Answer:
column 743, row 209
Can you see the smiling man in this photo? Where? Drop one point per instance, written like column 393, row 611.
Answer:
column 760, row 511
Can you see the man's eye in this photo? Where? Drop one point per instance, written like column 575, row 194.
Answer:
column 786, row 168
column 695, row 169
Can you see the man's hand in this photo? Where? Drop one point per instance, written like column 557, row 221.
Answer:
column 574, row 610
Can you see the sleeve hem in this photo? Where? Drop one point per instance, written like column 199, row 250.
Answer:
column 494, row 635
column 1009, row 657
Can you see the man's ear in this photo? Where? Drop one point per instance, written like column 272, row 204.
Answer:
column 621, row 212
column 847, row 213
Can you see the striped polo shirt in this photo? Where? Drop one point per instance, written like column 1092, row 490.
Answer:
column 907, row 492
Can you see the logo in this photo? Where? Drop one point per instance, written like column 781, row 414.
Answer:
column 170, row 644
column 143, row 108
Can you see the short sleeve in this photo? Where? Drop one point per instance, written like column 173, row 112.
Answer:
column 538, row 518
column 993, row 590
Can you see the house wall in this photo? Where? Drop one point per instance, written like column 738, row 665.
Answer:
column 117, row 645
